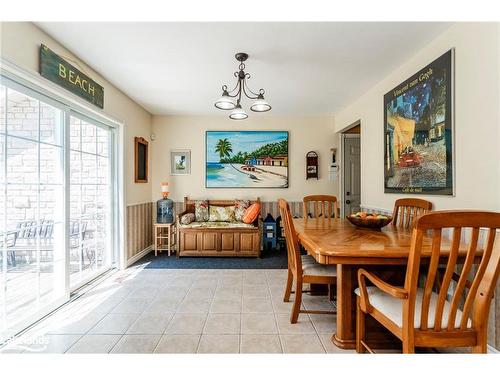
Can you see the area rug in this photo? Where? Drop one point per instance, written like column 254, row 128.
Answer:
column 270, row 259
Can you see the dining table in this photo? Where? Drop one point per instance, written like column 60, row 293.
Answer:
column 335, row 241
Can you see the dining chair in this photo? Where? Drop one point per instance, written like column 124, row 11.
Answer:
column 302, row 268
column 438, row 314
column 323, row 205
column 406, row 210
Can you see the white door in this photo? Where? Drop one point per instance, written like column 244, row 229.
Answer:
column 352, row 174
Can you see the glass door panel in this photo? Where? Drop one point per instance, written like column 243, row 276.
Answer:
column 32, row 208
column 90, row 197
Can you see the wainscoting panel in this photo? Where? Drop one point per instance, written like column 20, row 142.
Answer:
column 139, row 228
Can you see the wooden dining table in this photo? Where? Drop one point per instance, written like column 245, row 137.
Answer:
column 338, row 242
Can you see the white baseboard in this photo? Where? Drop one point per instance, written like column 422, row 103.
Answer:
column 139, row 255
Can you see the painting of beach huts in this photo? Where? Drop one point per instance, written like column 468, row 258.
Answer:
column 418, row 132
column 246, row 159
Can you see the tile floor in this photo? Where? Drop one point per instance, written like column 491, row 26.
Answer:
column 183, row 311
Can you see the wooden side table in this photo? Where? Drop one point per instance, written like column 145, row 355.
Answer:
column 164, row 235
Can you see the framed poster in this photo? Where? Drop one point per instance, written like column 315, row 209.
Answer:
column 246, row 159
column 141, row 164
column 180, row 162
column 418, row 132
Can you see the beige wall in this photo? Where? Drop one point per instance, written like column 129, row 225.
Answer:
column 20, row 43
column 188, row 132
column 477, row 119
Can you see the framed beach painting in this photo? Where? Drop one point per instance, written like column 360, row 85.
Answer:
column 418, row 131
column 246, row 159
column 180, row 162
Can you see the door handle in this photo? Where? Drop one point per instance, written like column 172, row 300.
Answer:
column 348, row 201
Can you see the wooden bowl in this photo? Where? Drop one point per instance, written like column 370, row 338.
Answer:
column 375, row 224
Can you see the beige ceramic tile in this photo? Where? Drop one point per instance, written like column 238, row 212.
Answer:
column 150, row 323
column 302, row 344
column 136, row 344
column 220, row 344
column 194, row 306
column 260, row 344
column 324, row 323
column 257, row 305
column 113, row 324
column 95, row 344
column 178, row 344
column 222, row 324
column 258, row 324
column 303, row 325
column 186, row 324
column 229, row 306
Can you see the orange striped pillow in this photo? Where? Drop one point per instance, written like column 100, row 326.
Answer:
column 251, row 213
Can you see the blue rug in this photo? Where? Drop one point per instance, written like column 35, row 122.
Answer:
column 270, row 259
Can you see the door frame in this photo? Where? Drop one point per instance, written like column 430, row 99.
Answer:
column 343, row 136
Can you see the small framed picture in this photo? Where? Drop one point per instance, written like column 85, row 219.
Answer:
column 180, row 162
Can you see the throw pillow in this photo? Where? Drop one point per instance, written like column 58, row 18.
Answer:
column 201, row 210
column 187, row 218
column 251, row 213
column 221, row 213
column 239, row 208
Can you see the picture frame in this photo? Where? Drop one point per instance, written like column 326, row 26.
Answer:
column 141, row 160
column 247, row 159
column 419, row 149
column 180, row 162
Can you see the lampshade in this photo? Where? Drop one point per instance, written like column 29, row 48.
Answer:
column 260, row 105
column 238, row 113
column 225, row 102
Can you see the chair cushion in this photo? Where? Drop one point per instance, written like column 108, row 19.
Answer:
column 392, row 307
column 312, row 268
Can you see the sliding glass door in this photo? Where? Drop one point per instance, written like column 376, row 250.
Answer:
column 56, row 180
column 90, row 199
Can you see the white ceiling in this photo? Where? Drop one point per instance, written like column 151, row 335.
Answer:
column 305, row 68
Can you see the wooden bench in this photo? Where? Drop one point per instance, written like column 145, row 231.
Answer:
column 217, row 239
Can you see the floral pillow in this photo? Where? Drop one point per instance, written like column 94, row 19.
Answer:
column 239, row 208
column 187, row 218
column 221, row 213
column 201, row 210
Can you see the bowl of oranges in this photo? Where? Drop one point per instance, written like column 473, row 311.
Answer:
column 369, row 220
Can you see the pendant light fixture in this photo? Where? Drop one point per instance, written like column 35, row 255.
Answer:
column 227, row 100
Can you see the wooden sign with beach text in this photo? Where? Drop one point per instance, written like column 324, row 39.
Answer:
column 56, row 69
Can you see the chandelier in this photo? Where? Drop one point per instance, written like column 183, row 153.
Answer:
column 227, row 100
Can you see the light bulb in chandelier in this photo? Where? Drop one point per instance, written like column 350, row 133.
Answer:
column 238, row 113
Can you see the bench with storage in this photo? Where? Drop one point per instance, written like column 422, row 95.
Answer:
column 217, row 238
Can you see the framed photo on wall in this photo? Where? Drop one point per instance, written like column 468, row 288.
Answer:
column 180, row 162
column 246, row 159
column 418, row 132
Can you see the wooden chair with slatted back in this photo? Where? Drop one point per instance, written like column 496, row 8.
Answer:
column 436, row 315
column 406, row 210
column 323, row 205
column 302, row 268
